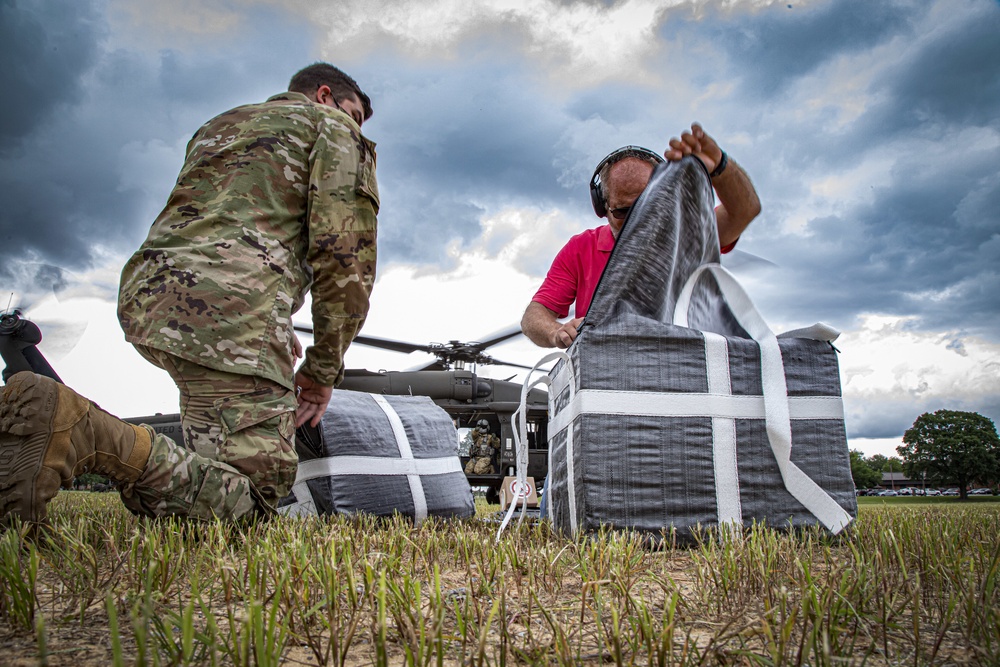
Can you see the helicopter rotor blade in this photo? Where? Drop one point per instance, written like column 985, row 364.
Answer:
column 499, row 362
column 498, row 336
column 374, row 341
column 434, row 364
column 446, row 354
column 394, row 345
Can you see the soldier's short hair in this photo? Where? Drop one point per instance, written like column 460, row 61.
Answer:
column 308, row 79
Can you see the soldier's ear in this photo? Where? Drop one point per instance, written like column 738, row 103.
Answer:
column 324, row 95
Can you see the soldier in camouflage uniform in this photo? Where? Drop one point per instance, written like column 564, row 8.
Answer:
column 274, row 200
column 483, row 450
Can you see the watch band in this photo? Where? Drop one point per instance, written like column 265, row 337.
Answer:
column 721, row 167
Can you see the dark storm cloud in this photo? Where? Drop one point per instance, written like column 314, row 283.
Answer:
column 94, row 174
column 454, row 146
column 608, row 104
column 923, row 240
column 45, row 46
column 938, row 67
column 933, row 87
column 927, row 244
column 953, row 79
column 777, row 45
column 460, row 140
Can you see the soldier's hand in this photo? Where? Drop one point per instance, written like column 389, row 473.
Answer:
column 313, row 399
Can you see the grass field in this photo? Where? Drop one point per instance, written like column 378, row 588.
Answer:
column 936, row 501
column 913, row 583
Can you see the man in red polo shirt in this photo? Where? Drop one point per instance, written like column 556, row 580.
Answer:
column 617, row 182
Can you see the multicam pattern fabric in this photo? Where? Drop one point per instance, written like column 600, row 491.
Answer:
column 484, row 447
column 178, row 482
column 246, row 422
column 274, row 200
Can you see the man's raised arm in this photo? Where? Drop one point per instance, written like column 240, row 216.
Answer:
column 738, row 202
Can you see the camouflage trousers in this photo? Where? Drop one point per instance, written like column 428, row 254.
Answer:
column 240, row 454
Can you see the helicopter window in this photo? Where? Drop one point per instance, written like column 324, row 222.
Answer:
column 464, row 441
column 466, row 425
column 537, row 435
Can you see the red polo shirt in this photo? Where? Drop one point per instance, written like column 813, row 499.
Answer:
column 577, row 269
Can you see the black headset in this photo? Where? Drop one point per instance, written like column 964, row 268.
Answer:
column 596, row 197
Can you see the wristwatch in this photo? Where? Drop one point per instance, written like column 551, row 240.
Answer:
column 721, row 167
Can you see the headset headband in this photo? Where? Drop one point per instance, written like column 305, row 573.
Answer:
column 596, row 196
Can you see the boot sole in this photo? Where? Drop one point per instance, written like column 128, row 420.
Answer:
column 27, row 411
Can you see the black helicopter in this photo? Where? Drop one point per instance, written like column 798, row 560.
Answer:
column 468, row 398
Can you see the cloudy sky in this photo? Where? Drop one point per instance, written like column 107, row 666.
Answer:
column 871, row 131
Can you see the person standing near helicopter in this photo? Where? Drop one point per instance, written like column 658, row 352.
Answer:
column 617, row 182
column 274, row 200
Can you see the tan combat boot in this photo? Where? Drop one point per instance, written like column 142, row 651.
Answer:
column 49, row 434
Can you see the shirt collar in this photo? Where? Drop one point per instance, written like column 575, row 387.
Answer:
column 289, row 95
column 301, row 97
column 605, row 239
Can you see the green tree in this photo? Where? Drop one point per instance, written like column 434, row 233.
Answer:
column 465, row 443
column 876, row 462
column 952, row 447
column 882, row 463
column 865, row 477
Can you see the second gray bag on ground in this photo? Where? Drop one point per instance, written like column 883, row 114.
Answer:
column 380, row 455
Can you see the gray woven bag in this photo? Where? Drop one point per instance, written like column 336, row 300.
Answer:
column 380, row 455
column 677, row 407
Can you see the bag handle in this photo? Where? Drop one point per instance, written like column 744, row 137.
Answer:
column 777, row 421
column 521, row 488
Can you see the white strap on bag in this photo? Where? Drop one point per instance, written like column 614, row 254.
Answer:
column 685, row 404
column 777, row 418
column 521, row 488
column 727, row 480
column 406, row 453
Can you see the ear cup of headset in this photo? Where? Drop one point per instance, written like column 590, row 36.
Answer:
column 596, row 198
column 600, row 208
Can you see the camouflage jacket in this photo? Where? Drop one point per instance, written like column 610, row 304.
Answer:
column 274, row 200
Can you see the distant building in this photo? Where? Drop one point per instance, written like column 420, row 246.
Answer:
column 895, row 480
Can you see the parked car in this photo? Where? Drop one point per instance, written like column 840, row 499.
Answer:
column 984, row 491
column 933, row 492
column 905, row 492
column 888, row 492
column 950, row 492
